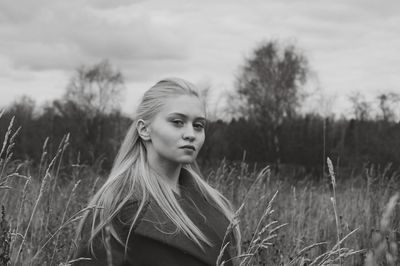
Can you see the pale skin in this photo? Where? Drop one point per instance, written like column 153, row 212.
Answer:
column 174, row 136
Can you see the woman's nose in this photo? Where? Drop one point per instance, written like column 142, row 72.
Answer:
column 188, row 134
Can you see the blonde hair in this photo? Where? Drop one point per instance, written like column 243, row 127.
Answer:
column 132, row 179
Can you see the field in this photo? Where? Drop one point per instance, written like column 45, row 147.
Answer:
column 346, row 219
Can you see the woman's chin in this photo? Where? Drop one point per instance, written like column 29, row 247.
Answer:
column 187, row 160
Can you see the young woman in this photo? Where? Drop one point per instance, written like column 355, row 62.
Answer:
column 155, row 208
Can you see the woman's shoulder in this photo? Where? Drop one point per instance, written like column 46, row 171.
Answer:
column 124, row 217
column 130, row 210
column 121, row 223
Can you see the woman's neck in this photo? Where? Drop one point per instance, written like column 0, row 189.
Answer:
column 168, row 170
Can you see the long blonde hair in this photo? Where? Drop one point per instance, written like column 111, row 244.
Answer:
column 132, row 179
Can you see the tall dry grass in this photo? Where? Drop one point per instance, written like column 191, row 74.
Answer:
column 336, row 221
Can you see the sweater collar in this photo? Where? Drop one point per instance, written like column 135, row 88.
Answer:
column 156, row 225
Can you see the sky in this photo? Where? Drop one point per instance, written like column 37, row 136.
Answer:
column 351, row 45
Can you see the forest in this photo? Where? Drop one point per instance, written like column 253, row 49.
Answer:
column 265, row 120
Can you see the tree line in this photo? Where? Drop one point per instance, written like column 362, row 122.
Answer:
column 267, row 126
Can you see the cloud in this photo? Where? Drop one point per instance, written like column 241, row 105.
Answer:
column 106, row 4
column 65, row 35
column 19, row 12
column 349, row 43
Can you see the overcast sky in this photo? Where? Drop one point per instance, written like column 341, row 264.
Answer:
column 351, row 45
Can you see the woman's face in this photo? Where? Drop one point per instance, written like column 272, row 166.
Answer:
column 177, row 131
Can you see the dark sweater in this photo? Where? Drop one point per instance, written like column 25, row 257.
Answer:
column 155, row 240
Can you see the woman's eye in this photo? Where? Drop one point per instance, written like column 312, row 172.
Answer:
column 177, row 122
column 199, row 126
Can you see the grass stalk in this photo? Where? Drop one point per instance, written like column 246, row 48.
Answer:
column 333, row 199
column 63, row 218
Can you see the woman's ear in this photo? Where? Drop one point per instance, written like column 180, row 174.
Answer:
column 143, row 129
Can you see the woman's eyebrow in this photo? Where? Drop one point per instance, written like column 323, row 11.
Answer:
column 185, row 116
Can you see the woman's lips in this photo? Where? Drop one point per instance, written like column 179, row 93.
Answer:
column 189, row 147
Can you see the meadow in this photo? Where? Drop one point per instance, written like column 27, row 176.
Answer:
column 342, row 218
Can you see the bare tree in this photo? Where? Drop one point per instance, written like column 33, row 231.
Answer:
column 23, row 107
column 93, row 93
column 388, row 103
column 96, row 89
column 269, row 87
column 361, row 108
